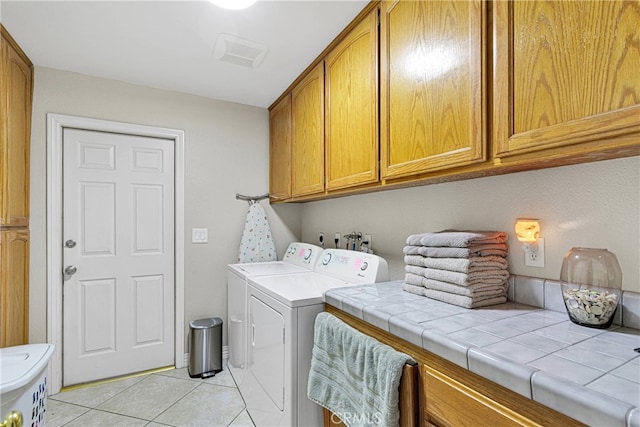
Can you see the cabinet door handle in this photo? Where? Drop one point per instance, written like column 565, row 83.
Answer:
column 253, row 334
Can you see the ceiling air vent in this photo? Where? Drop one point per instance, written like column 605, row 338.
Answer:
column 239, row 51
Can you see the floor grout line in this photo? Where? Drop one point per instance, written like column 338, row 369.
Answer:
column 225, row 384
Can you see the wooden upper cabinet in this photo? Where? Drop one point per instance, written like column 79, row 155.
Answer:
column 307, row 112
column 14, row 287
column 16, row 82
column 280, row 150
column 566, row 73
column 432, row 67
column 351, row 100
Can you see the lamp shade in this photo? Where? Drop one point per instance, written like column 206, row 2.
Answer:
column 527, row 229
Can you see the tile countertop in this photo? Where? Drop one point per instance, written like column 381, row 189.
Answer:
column 592, row 375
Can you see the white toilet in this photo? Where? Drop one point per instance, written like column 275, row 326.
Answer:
column 23, row 383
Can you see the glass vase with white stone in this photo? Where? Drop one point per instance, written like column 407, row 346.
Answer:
column 591, row 282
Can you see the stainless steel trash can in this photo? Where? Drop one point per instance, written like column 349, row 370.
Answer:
column 205, row 347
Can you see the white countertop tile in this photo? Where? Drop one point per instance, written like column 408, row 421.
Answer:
column 446, row 347
column 499, row 329
column 376, row 317
column 475, row 337
column 448, row 324
column 590, row 358
column 609, row 348
column 633, row 418
column 592, row 375
column 564, row 331
column 511, row 350
column 539, row 342
column 515, row 376
column 588, row 406
column 620, row 388
column 408, row 331
column 624, row 336
column 567, row 369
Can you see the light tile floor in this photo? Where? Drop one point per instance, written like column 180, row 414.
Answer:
column 168, row 398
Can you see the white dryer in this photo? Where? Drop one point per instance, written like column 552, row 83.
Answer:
column 281, row 314
column 298, row 258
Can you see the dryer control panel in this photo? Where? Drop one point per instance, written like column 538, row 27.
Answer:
column 352, row 266
column 303, row 254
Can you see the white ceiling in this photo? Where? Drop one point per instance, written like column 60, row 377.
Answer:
column 169, row 44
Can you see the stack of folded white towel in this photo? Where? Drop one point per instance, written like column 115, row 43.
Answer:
column 464, row 268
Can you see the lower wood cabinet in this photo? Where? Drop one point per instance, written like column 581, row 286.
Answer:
column 450, row 395
column 14, row 287
column 448, row 402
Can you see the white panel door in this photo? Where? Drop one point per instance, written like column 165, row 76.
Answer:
column 118, row 228
column 267, row 349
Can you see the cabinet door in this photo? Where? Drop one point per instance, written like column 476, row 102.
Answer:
column 280, row 150
column 351, row 99
column 432, row 85
column 14, row 287
column 450, row 403
column 566, row 73
column 307, row 111
column 15, row 106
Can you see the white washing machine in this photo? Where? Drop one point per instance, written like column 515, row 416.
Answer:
column 298, row 258
column 281, row 314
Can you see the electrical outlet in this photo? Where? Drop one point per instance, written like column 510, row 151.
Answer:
column 321, row 239
column 367, row 238
column 535, row 258
column 336, row 239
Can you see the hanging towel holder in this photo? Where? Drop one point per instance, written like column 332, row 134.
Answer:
column 251, row 199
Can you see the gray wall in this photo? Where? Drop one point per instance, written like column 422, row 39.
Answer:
column 592, row 205
column 226, row 151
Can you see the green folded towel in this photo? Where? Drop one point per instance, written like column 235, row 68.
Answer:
column 353, row 375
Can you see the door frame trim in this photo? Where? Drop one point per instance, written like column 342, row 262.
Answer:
column 55, row 126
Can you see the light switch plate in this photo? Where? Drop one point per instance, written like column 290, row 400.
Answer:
column 199, row 235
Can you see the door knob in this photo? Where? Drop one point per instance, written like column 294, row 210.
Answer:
column 70, row 270
column 70, row 243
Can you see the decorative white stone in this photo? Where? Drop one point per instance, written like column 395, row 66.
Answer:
column 590, row 306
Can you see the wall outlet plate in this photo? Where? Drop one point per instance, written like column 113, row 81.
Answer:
column 535, row 258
